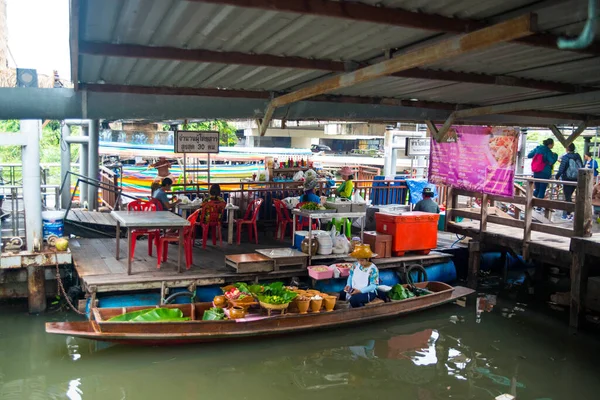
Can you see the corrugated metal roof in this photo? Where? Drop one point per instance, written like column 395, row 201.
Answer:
column 196, row 25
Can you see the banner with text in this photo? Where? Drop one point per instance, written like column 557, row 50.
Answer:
column 477, row 158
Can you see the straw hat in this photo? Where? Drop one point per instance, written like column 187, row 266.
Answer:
column 346, row 171
column 310, row 184
column 363, row 252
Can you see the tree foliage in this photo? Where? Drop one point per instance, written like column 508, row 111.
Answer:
column 227, row 136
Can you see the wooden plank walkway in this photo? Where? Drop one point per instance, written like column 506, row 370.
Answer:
column 90, row 218
column 95, row 263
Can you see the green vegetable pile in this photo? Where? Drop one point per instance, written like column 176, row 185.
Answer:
column 276, row 293
column 151, row 315
column 399, row 292
column 213, row 314
column 310, row 206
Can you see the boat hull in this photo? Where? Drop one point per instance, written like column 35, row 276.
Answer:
column 171, row 333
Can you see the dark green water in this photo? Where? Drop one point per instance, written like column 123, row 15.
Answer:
column 445, row 353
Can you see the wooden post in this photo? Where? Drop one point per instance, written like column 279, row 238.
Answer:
column 583, row 204
column 484, row 214
column 36, row 289
column 528, row 218
column 474, row 262
column 578, row 287
column 451, row 202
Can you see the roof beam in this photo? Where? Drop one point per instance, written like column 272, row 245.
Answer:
column 266, row 60
column 208, row 56
column 391, row 16
column 247, row 94
column 512, row 29
column 74, row 41
column 358, row 12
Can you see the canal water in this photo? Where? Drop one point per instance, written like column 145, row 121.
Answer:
column 451, row 352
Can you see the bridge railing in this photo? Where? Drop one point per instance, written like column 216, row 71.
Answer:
column 582, row 208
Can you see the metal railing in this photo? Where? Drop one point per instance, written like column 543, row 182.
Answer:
column 102, row 186
column 13, row 210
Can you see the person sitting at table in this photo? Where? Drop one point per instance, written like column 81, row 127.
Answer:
column 361, row 286
column 214, row 194
column 427, row 204
column 161, row 195
column 309, row 191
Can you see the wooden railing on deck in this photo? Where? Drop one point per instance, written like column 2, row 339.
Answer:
column 582, row 225
column 109, row 198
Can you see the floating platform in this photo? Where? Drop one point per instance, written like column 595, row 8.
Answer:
column 100, row 272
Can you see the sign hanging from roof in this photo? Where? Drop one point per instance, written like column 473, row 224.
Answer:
column 196, row 142
column 477, row 158
column 418, row 146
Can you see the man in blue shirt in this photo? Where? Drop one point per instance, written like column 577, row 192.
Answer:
column 161, row 194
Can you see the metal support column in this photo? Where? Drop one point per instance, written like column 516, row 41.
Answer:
column 65, row 166
column 522, row 155
column 30, row 154
column 389, row 151
column 84, row 164
column 93, row 162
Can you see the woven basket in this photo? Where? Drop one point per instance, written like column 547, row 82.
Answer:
column 274, row 306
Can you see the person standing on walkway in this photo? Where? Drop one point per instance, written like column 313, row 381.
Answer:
column 543, row 160
column 568, row 171
column 590, row 163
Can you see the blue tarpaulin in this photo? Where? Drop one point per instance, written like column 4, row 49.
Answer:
column 416, row 187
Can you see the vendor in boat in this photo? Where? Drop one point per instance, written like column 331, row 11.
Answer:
column 427, row 204
column 361, row 287
column 346, row 189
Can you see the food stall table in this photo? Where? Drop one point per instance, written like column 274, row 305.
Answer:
column 326, row 215
column 148, row 220
column 285, row 258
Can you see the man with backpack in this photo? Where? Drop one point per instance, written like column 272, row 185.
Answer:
column 570, row 164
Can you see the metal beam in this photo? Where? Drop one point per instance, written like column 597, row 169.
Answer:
column 247, row 94
column 74, row 41
column 207, row 56
column 515, row 28
column 267, row 60
column 356, row 11
column 12, row 139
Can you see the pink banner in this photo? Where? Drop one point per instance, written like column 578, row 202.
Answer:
column 477, row 158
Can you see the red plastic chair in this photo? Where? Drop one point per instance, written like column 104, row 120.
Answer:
column 211, row 219
column 153, row 234
column 283, row 218
column 189, row 235
column 302, row 223
column 249, row 219
column 157, row 204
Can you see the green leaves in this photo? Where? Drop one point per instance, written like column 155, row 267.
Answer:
column 213, row 314
column 276, row 293
column 151, row 315
column 399, row 292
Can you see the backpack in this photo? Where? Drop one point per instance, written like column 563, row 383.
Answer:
column 538, row 164
column 573, row 169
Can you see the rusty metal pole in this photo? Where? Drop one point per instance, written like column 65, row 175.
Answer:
column 36, row 289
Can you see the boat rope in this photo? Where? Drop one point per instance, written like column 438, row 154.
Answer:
column 63, row 292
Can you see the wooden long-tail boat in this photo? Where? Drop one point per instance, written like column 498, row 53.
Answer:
column 197, row 330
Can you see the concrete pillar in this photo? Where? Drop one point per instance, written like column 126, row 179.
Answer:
column 30, row 155
column 389, row 165
column 93, row 164
column 301, row 142
column 84, row 163
column 522, row 154
column 65, row 166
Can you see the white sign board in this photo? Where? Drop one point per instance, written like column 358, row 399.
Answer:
column 196, row 142
column 418, row 146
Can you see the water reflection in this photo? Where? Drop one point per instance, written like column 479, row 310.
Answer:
column 443, row 353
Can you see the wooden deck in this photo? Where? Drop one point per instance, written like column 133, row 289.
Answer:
column 95, row 263
column 90, row 218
